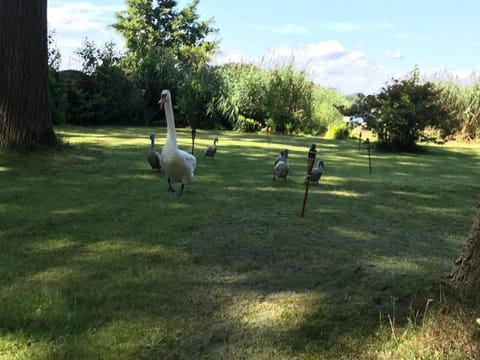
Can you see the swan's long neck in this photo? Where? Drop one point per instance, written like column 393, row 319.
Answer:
column 171, row 133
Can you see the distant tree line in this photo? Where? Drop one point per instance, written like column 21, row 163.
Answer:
column 168, row 48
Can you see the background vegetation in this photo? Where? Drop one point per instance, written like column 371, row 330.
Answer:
column 171, row 48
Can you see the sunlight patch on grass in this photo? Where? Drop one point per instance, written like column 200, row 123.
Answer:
column 345, row 193
column 52, row 244
column 284, row 310
column 4, row 168
column 30, row 302
column 116, row 339
column 70, row 211
column 438, row 210
column 414, row 194
column 355, row 234
column 418, row 164
column 20, row 346
column 54, row 275
column 395, row 265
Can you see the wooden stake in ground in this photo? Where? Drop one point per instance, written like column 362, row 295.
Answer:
column 194, row 134
column 369, row 158
column 312, row 153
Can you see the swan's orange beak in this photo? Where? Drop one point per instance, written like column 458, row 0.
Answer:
column 161, row 101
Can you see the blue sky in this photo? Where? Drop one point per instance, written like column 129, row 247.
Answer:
column 353, row 46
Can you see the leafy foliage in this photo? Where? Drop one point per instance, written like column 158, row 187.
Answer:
column 338, row 132
column 148, row 24
column 463, row 105
column 289, row 100
column 325, row 109
column 406, row 108
column 102, row 93
column 167, row 48
column 245, row 93
column 197, row 95
column 57, row 97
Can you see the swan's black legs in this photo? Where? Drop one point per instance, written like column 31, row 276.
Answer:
column 170, row 188
column 181, row 190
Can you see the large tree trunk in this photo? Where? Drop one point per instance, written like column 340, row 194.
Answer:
column 24, row 112
column 465, row 275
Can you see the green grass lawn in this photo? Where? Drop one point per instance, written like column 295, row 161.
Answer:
column 98, row 261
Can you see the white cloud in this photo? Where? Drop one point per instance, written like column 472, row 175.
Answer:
column 329, row 64
column 396, row 54
column 332, row 65
column 81, row 17
column 73, row 22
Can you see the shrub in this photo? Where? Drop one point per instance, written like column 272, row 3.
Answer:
column 244, row 124
column 337, row 132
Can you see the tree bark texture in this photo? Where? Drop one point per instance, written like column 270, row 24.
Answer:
column 465, row 275
column 25, row 120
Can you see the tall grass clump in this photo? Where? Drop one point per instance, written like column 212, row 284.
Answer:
column 462, row 99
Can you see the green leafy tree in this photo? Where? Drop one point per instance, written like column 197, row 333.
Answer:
column 157, row 24
column 199, row 90
column 165, row 46
column 365, row 106
column 405, row 109
column 103, row 93
column 57, row 95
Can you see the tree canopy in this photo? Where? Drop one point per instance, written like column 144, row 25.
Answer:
column 157, row 24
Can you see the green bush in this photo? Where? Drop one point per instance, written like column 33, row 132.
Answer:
column 57, row 98
column 337, row 132
column 244, row 124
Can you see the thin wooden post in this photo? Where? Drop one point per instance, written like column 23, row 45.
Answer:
column 359, row 140
column 312, row 153
column 194, row 134
column 369, row 158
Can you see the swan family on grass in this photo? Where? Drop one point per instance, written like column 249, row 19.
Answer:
column 179, row 165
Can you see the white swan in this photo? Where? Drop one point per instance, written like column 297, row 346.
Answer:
column 179, row 165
